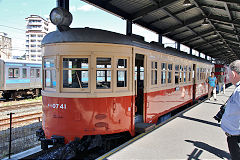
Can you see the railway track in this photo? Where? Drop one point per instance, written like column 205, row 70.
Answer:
column 19, row 106
column 22, row 120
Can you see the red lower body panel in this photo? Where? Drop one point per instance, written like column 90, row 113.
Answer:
column 76, row 117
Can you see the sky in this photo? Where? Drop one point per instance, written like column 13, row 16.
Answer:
column 14, row 12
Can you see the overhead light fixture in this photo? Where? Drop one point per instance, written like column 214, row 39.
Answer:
column 186, row 3
column 205, row 22
column 61, row 17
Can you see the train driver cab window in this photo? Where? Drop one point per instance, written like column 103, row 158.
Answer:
column 103, row 73
column 122, row 73
column 163, row 73
column 75, row 72
column 154, row 73
column 169, row 76
column 13, row 72
column 49, row 73
column 177, row 67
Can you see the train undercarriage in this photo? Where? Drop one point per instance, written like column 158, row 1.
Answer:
column 15, row 94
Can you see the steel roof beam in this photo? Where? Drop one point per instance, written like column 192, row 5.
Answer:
column 229, row 1
column 187, row 22
column 106, row 6
column 230, row 17
column 217, row 7
column 149, row 9
column 196, row 3
column 175, row 13
column 223, row 19
column 198, row 45
column 189, row 38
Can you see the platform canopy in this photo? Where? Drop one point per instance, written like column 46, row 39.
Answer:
column 211, row 27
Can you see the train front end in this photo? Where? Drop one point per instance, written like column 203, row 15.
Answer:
column 86, row 87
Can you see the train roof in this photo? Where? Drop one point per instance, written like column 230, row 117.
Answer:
column 92, row 35
column 19, row 61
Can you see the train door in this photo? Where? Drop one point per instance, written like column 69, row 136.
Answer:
column 194, row 81
column 139, row 87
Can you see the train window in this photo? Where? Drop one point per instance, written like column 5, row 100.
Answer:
column 75, row 73
column 24, row 73
column 37, row 73
column 154, row 73
column 198, row 73
column 177, row 74
column 189, row 73
column 122, row 73
column 163, row 73
column 103, row 63
column 141, row 73
column 185, row 74
column 169, row 76
column 103, row 75
column 50, row 78
column 13, row 72
column 32, row 75
column 49, row 73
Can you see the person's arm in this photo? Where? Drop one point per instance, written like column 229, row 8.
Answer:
column 215, row 81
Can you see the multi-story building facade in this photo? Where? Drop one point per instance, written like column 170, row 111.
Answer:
column 5, row 46
column 37, row 28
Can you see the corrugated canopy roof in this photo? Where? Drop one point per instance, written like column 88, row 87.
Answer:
column 183, row 23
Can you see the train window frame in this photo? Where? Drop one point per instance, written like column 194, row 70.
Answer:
column 13, row 75
column 122, row 69
column 80, row 89
column 154, row 73
column 94, row 83
column 52, row 69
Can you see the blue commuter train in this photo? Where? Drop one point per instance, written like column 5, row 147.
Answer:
column 20, row 78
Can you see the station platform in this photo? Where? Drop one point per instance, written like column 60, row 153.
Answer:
column 193, row 134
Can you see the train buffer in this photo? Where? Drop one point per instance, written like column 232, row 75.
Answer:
column 192, row 134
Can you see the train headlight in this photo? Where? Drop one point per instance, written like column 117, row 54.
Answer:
column 61, row 17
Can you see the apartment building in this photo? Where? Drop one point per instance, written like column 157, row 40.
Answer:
column 37, row 27
column 5, row 46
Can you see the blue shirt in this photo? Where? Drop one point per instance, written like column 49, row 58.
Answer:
column 231, row 117
column 211, row 81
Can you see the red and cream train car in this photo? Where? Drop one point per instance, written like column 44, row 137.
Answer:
column 97, row 82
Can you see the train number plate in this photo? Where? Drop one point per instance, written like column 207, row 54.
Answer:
column 58, row 106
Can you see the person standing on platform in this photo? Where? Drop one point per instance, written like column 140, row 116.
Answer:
column 221, row 82
column 231, row 118
column 212, row 81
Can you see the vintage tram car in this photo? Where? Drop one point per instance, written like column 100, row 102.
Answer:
column 97, row 82
column 20, row 78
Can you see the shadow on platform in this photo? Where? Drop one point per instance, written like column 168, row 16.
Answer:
column 201, row 145
column 200, row 120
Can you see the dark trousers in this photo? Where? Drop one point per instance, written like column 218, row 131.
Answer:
column 233, row 146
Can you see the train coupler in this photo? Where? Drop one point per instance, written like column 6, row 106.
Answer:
column 54, row 140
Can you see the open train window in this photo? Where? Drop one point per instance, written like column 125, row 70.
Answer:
column 154, row 73
column 103, row 73
column 169, row 76
column 13, row 72
column 37, row 73
column 122, row 73
column 49, row 73
column 32, row 74
column 75, row 72
column 163, row 73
